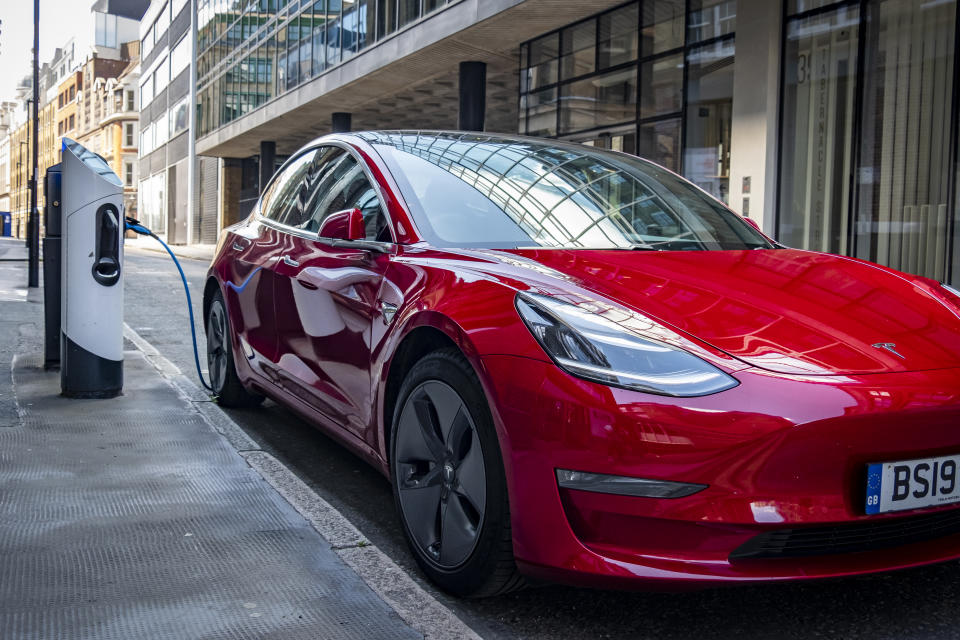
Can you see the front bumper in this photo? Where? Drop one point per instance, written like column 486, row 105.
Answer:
column 778, row 453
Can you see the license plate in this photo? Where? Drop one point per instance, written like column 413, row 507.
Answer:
column 912, row 484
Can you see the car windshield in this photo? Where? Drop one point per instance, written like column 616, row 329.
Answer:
column 474, row 190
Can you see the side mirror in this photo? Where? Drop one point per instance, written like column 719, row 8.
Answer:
column 343, row 225
column 752, row 223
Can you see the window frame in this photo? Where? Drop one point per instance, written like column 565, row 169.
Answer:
column 950, row 264
column 638, row 121
column 257, row 213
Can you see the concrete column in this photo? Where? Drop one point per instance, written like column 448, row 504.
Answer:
column 756, row 82
column 340, row 122
column 268, row 157
column 473, row 95
column 230, row 178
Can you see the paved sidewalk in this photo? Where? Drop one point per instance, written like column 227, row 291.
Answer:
column 134, row 518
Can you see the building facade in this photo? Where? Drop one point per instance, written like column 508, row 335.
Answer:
column 21, row 150
column 6, row 122
column 164, row 121
column 68, row 94
column 96, row 52
column 109, row 117
column 832, row 123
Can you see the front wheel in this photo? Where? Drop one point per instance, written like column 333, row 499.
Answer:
column 448, row 479
column 220, row 366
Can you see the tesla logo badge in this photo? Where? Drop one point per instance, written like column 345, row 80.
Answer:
column 388, row 310
column 889, row 346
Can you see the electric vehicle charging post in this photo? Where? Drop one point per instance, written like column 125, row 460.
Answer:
column 91, row 338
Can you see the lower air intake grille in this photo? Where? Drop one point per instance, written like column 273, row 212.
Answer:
column 849, row 538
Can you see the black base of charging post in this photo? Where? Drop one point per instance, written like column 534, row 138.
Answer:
column 51, row 268
column 87, row 375
column 51, row 303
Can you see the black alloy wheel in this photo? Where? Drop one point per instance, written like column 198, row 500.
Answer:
column 440, row 473
column 216, row 346
column 448, row 479
column 221, row 370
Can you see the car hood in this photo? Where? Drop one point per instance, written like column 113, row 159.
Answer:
column 783, row 310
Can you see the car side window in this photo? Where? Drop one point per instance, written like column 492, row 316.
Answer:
column 345, row 186
column 283, row 202
column 329, row 168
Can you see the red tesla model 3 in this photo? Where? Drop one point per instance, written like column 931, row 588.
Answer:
column 574, row 365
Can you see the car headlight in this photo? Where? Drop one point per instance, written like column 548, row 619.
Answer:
column 594, row 348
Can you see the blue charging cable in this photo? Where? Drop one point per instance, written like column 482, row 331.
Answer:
column 136, row 227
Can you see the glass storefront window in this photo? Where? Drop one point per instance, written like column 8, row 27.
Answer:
column 386, row 17
column 661, row 86
column 349, row 25
column 711, row 19
column 318, row 21
column 618, row 36
column 364, row 24
column 904, row 169
column 706, row 159
column 660, row 142
column 865, row 151
column 318, row 35
column 820, row 66
column 293, row 54
column 579, row 52
column 268, row 53
column 623, row 140
column 543, row 62
column 800, row 6
column 409, row 11
column 333, row 36
column 306, row 49
column 281, row 60
column 146, row 92
column 603, row 100
column 542, row 113
column 179, row 116
column 180, row 57
column 161, row 131
column 682, row 79
column 663, row 25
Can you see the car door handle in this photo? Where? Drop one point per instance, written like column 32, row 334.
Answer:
column 290, row 262
column 305, row 281
column 237, row 246
column 334, row 279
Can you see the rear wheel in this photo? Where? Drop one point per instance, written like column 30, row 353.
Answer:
column 220, row 366
column 448, row 479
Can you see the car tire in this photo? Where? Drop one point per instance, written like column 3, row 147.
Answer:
column 448, row 479
column 220, row 364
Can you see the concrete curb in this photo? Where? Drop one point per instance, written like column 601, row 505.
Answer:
column 393, row 585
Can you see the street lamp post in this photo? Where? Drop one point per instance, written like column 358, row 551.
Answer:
column 20, row 180
column 33, row 219
column 19, row 163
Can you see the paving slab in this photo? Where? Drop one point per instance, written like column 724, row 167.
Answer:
column 132, row 517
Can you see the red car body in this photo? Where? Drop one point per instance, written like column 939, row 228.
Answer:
column 783, row 453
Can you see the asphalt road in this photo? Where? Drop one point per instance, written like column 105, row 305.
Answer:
column 919, row 603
